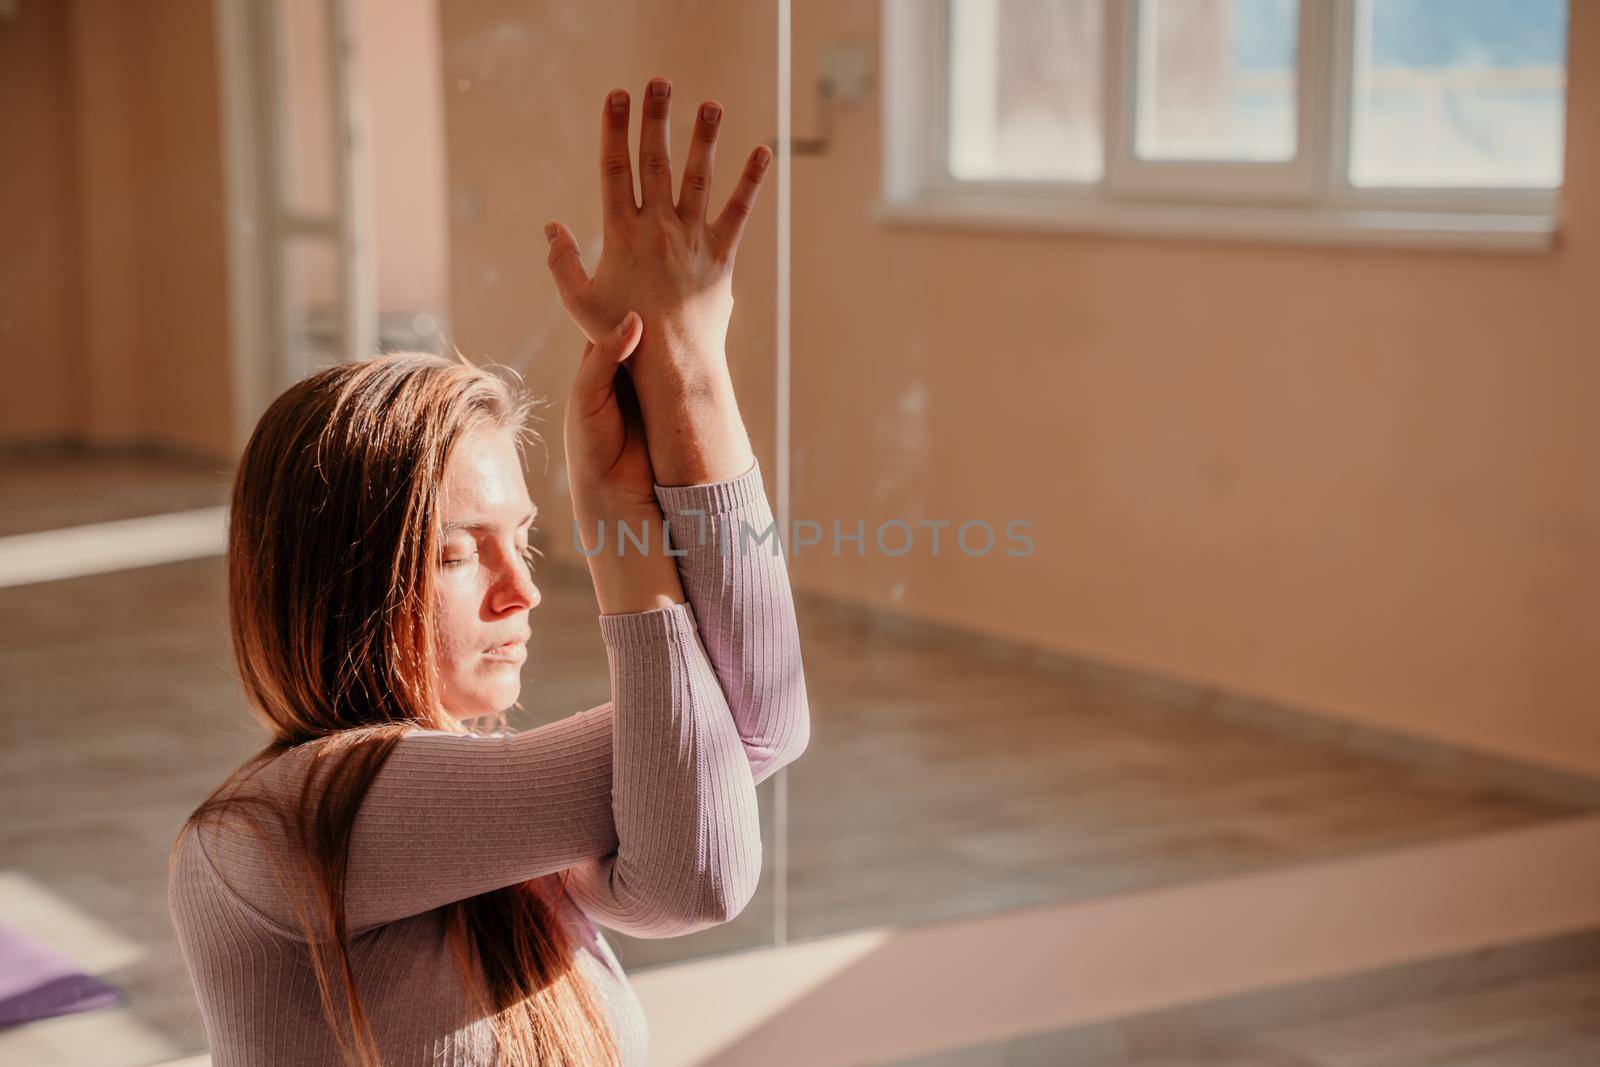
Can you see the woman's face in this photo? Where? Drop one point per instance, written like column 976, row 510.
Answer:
column 484, row 591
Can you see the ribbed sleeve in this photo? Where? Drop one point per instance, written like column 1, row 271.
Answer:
column 652, row 789
column 734, row 573
column 647, row 800
column 689, row 832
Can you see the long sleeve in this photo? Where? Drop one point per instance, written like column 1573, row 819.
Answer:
column 734, row 574
column 745, row 612
column 687, row 820
column 648, row 797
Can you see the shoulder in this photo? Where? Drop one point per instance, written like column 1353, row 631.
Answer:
column 226, row 878
column 215, row 922
column 230, row 849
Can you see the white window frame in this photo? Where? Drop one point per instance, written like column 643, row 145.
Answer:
column 1215, row 180
column 1308, row 199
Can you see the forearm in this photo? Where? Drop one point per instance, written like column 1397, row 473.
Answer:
column 734, row 574
column 630, row 570
column 635, row 581
column 687, row 824
column 692, row 419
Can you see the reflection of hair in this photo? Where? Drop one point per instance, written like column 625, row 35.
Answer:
column 332, row 535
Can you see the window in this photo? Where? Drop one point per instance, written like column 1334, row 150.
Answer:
column 1452, row 93
column 1025, row 90
column 1420, row 121
column 1217, row 80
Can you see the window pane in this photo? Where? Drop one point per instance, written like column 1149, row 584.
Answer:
column 1217, row 80
column 1025, row 90
column 1458, row 93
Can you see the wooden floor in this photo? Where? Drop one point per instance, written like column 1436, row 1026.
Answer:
column 1544, row 1013
column 937, row 785
column 1544, row 1021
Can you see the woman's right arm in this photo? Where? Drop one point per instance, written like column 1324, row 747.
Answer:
column 632, row 580
column 649, row 797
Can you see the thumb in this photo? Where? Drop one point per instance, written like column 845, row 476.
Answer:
column 619, row 344
column 565, row 263
column 600, row 359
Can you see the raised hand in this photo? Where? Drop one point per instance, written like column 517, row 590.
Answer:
column 608, row 461
column 660, row 258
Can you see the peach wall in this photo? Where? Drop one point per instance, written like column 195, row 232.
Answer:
column 400, row 72
column 182, row 251
column 105, row 296
column 1359, row 481
column 36, row 215
column 1356, row 481
column 122, row 292
column 524, row 85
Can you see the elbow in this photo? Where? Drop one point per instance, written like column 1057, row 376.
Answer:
column 795, row 713
column 802, row 734
column 723, row 897
column 790, row 747
column 765, row 762
column 728, row 895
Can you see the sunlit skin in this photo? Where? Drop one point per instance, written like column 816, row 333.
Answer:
column 671, row 265
column 484, row 592
column 665, row 259
column 658, row 305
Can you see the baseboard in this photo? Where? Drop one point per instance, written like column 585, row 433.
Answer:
column 1158, row 694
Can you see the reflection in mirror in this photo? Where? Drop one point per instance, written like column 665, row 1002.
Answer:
column 261, row 194
column 1176, row 650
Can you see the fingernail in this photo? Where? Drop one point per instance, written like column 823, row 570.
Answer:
column 763, row 156
column 710, row 113
column 619, row 101
column 550, row 232
column 660, row 89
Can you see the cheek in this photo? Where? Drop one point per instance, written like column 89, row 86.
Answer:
column 471, row 684
column 455, row 629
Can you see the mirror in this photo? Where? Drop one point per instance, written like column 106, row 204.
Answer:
column 1171, row 413
column 261, row 190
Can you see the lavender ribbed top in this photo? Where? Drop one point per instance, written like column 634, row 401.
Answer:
column 649, row 799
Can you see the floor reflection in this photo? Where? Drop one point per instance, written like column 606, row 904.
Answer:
column 940, row 782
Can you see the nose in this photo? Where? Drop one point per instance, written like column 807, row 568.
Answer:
column 518, row 590
column 526, row 592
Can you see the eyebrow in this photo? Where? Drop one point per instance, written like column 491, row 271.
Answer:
column 476, row 525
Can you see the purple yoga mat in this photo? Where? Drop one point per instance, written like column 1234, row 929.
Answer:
column 37, row 982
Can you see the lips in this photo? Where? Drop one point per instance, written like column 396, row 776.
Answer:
column 506, row 647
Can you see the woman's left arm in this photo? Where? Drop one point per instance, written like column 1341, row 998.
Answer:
column 734, row 575
column 744, row 610
column 673, row 264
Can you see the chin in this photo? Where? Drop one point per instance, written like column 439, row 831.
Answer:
column 490, row 702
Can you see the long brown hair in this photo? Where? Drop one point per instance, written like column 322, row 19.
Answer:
column 332, row 534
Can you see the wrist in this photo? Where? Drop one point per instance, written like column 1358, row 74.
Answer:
column 607, row 507
column 605, row 503
column 681, row 373
column 695, row 430
column 621, row 535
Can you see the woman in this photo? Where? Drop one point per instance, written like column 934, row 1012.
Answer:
column 390, row 882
